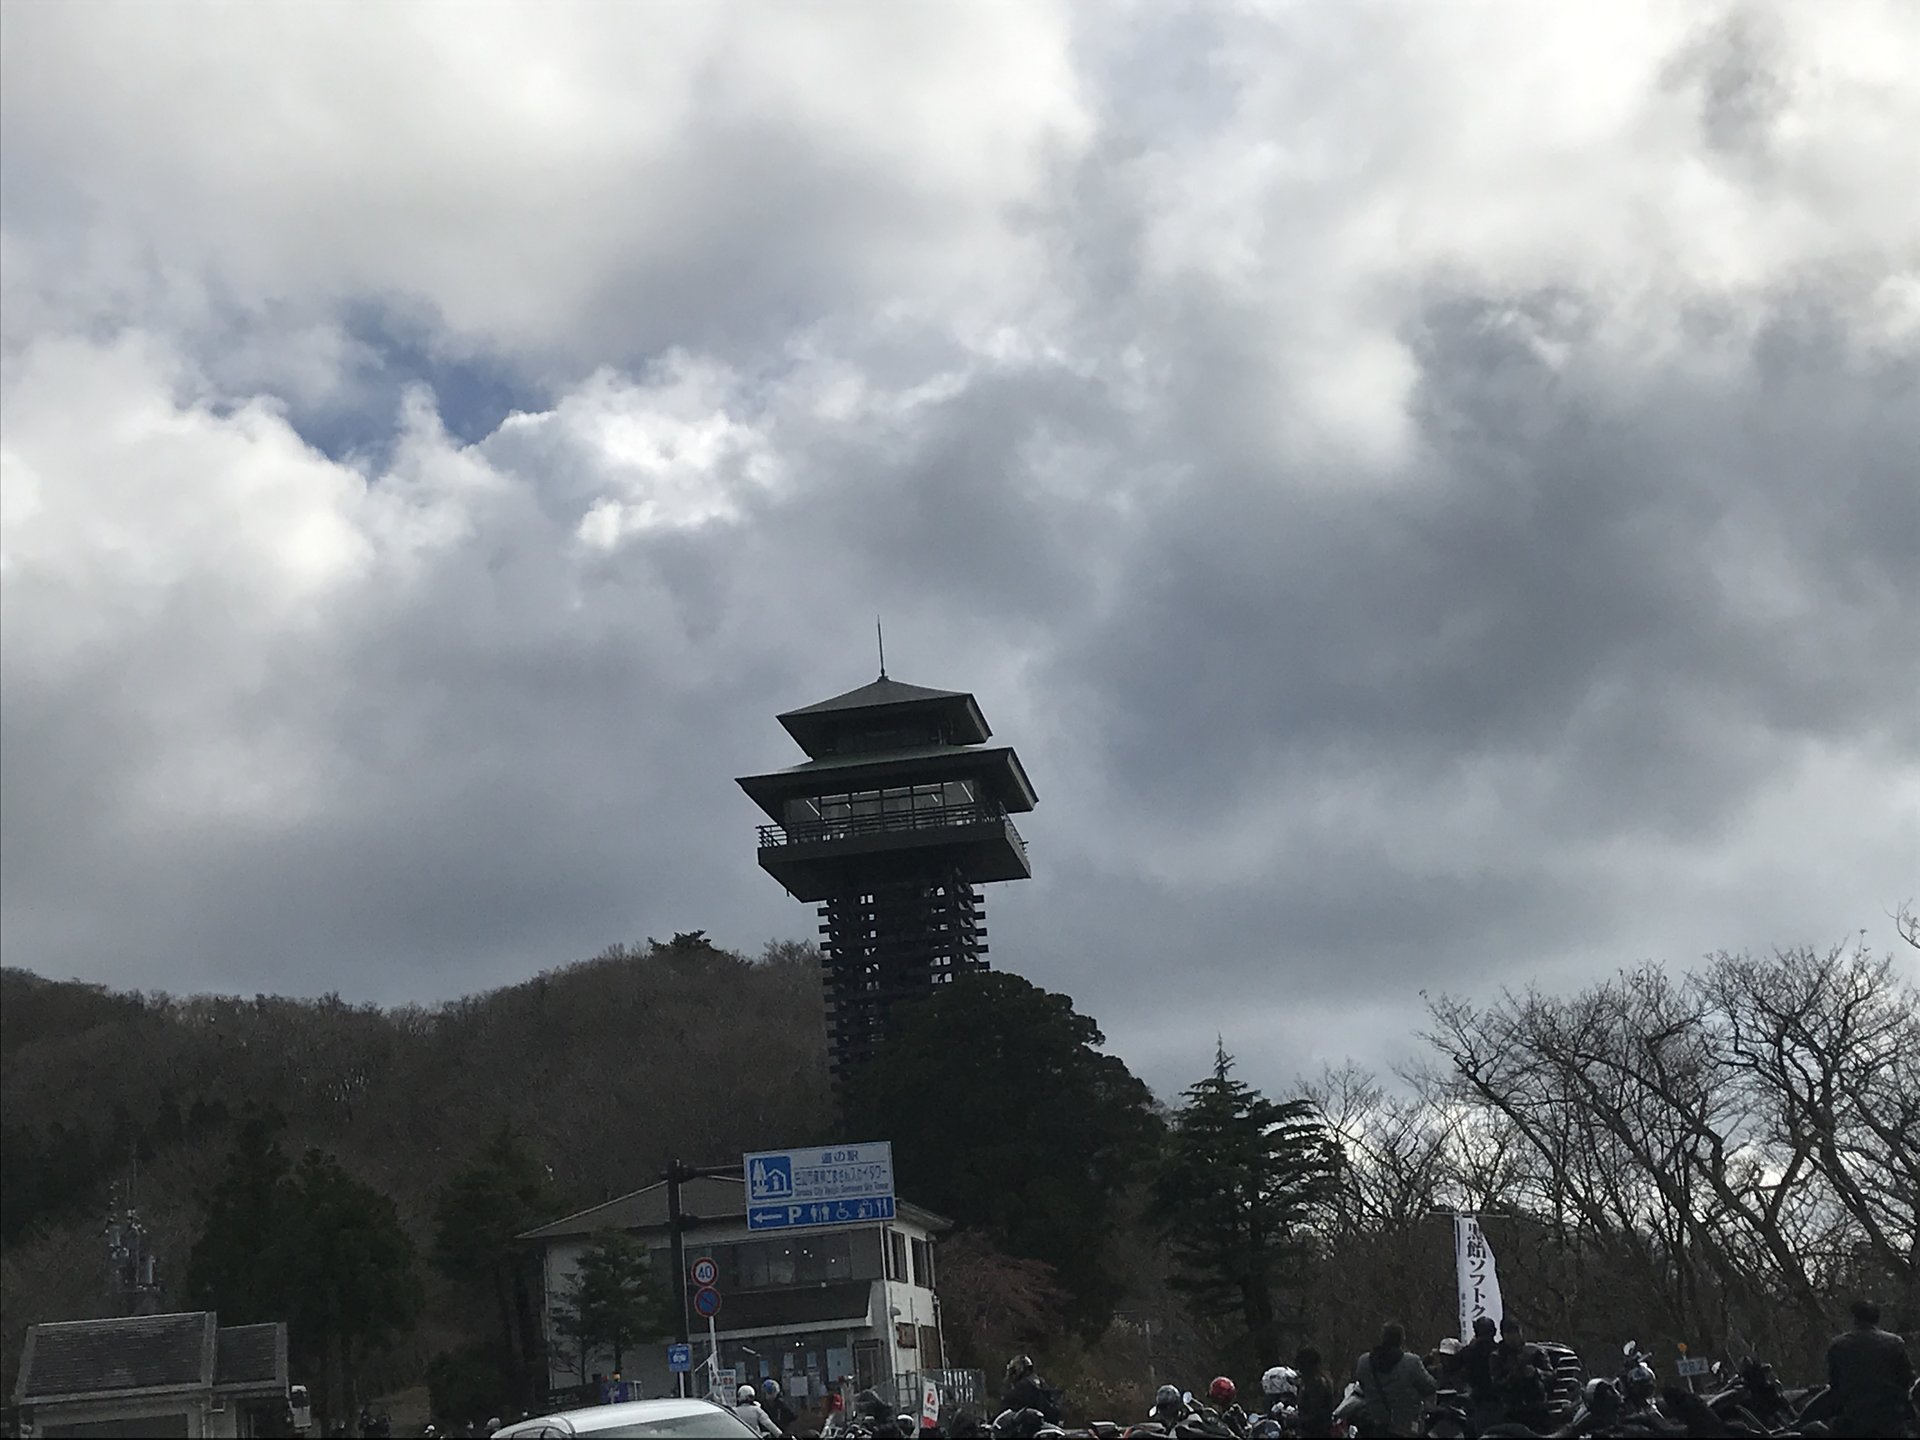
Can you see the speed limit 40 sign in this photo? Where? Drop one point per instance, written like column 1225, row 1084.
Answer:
column 705, row 1272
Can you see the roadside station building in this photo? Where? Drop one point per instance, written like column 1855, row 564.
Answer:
column 810, row 1306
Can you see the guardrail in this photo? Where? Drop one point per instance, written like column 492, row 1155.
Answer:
column 935, row 817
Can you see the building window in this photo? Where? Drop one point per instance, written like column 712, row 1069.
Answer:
column 775, row 1264
column 896, row 1256
column 923, row 1264
column 905, row 1336
column 864, row 1255
column 931, row 1357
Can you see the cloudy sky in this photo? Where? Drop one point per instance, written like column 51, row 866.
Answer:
column 1430, row 489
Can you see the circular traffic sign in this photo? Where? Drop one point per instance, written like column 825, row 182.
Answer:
column 705, row 1272
column 707, row 1300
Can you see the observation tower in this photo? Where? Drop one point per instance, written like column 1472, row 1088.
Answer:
column 899, row 812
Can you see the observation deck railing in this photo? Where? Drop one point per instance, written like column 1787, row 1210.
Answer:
column 888, row 822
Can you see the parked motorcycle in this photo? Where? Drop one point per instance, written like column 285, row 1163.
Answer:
column 1445, row 1416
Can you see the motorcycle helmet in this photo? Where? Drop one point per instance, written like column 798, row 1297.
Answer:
column 1018, row 1368
column 1220, row 1392
column 747, row 1395
column 771, row 1389
column 1600, row 1396
column 1282, row 1382
column 1640, row 1381
column 1167, row 1397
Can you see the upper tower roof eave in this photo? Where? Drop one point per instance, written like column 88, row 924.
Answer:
column 999, row 766
column 813, row 726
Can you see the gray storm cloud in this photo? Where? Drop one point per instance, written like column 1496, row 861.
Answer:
column 1431, row 494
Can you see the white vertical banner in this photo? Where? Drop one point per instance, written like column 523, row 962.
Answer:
column 1478, row 1279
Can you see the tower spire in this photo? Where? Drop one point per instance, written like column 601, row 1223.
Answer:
column 880, row 637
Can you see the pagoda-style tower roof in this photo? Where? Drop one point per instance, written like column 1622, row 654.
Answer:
column 887, row 702
column 894, row 772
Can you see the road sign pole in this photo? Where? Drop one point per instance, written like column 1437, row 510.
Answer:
column 677, row 1218
column 713, row 1349
column 675, row 1224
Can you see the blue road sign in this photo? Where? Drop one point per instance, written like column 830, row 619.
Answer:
column 679, row 1359
column 841, row 1212
column 834, row 1185
column 706, row 1300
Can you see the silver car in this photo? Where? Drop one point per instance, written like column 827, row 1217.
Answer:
column 640, row 1419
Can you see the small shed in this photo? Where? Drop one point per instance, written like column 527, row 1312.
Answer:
column 157, row 1375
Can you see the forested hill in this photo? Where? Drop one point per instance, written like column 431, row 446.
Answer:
column 601, row 1066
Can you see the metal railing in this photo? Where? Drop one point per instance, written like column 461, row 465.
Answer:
column 958, row 1389
column 934, row 817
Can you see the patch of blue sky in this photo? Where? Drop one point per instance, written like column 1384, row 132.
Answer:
column 385, row 354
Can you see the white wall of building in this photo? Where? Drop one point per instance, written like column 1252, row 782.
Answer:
column 647, row 1363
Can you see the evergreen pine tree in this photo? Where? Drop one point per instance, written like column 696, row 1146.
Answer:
column 503, row 1193
column 233, row 1265
column 614, row 1299
column 349, row 1272
column 1006, row 1116
column 1239, row 1181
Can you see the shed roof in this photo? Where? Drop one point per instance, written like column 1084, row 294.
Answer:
column 127, row 1352
column 188, row 1349
column 251, row 1355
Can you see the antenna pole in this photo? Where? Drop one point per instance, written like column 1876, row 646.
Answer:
column 880, row 636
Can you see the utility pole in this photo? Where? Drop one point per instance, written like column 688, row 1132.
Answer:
column 677, row 1222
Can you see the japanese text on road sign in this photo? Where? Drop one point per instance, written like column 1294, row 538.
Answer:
column 838, row 1172
column 835, row 1185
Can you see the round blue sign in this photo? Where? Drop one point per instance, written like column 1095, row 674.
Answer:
column 707, row 1300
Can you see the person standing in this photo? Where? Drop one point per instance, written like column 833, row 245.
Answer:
column 746, row 1405
column 775, row 1404
column 1473, row 1365
column 1393, row 1384
column 1519, row 1371
column 1870, row 1371
column 1315, row 1409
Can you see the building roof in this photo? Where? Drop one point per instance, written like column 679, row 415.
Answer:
column 251, row 1355
column 711, row 1198
column 813, row 726
column 188, row 1350
column 131, row 1352
column 881, row 692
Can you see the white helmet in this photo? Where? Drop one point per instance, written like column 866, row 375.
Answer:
column 748, row 1395
column 1282, row 1381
